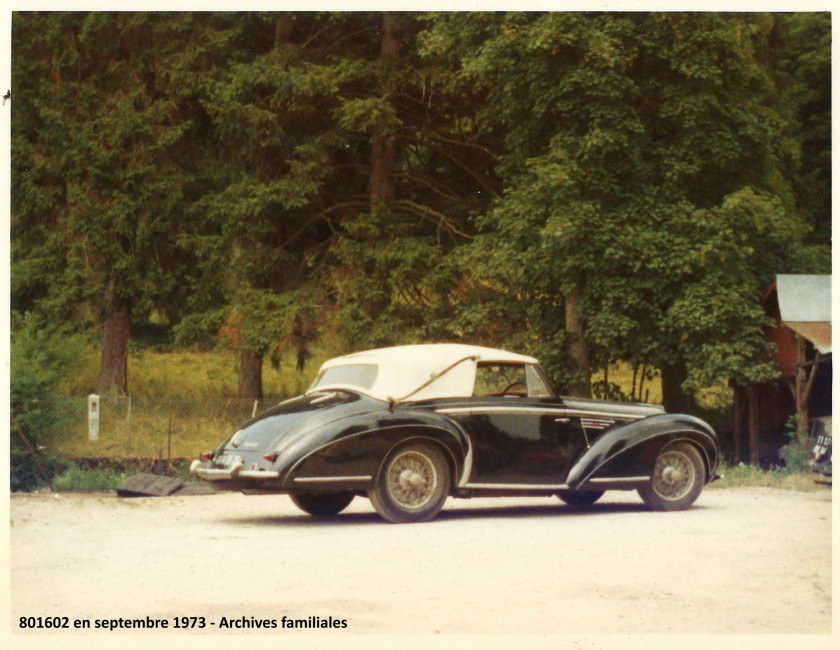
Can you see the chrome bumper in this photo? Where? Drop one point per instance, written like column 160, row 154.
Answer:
column 230, row 473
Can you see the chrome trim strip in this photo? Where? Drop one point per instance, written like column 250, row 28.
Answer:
column 618, row 479
column 560, row 411
column 460, row 410
column 466, row 410
column 232, row 473
column 606, row 414
column 597, row 423
column 514, row 486
column 258, row 473
column 328, row 479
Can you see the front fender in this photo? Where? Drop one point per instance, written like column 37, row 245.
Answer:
column 626, row 455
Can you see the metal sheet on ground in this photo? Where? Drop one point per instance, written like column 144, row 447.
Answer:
column 149, row 485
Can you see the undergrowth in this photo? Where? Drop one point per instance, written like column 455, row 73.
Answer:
column 741, row 475
column 88, row 480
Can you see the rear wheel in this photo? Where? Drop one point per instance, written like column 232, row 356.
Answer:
column 580, row 499
column 323, row 504
column 413, row 484
column 677, row 479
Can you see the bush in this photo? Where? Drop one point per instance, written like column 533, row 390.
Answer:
column 40, row 358
column 87, row 480
column 796, row 454
column 24, row 473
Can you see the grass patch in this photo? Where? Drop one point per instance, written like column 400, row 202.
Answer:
column 88, row 480
column 741, row 475
column 194, row 374
column 152, row 427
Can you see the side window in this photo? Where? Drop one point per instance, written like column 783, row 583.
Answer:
column 500, row 379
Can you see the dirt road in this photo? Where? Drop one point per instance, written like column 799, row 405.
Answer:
column 741, row 561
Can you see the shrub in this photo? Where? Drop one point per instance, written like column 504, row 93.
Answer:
column 87, row 480
column 40, row 358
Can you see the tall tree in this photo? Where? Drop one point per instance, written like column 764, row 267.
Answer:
column 98, row 190
column 800, row 59
column 626, row 137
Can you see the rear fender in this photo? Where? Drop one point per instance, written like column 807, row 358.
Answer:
column 626, row 455
column 361, row 454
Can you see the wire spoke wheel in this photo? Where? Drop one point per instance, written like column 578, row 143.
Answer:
column 413, row 484
column 412, row 480
column 677, row 478
column 673, row 475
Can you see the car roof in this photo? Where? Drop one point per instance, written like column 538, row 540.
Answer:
column 442, row 354
column 403, row 369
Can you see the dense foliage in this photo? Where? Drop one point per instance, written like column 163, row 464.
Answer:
column 587, row 187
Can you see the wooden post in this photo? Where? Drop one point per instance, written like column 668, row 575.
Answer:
column 169, row 449
column 752, row 425
column 738, row 429
column 801, row 390
column 128, row 426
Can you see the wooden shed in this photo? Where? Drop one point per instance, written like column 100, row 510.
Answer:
column 800, row 306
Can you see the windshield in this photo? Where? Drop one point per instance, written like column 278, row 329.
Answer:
column 361, row 375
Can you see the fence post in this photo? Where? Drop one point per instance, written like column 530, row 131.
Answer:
column 128, row 426
column 93, row 417
column 169, row 447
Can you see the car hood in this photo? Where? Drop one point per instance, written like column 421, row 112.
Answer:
column 286, row 422
column 632, row 410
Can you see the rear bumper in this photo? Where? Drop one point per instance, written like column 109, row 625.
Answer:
column 233, row 473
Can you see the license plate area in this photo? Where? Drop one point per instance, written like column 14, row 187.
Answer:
column 228, row 460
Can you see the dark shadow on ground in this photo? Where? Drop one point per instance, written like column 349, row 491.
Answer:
column 453, row 515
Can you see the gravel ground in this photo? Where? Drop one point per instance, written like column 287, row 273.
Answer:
column 741, row 561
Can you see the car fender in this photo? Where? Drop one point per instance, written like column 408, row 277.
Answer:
column 625, row 455
column 358, row 448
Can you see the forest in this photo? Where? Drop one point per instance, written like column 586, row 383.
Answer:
column 588, row 188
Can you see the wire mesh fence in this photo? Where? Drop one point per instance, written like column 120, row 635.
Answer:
column 120, row 426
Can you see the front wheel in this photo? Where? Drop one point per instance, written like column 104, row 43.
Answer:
column 413, row 484
column 322, row 504
column 677, row 479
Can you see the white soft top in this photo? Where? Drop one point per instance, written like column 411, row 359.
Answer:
column 396, row 373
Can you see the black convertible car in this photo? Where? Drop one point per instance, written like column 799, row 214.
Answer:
column 410, row 426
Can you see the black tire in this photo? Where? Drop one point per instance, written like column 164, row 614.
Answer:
column 677, row 479
column 322, row 504
column 580, row 499
column 413, row 484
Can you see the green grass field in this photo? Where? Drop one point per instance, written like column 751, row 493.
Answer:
column 183, row 402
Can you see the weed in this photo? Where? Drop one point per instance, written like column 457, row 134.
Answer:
column 742, row 475
column 87, row 480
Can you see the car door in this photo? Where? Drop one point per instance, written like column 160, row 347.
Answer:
column 521, row 435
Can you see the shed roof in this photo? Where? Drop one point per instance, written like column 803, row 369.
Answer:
column 805, row 307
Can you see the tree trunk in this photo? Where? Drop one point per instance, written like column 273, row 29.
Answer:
column 250, row 375
column 578, row 347
column 383, row 157
column 674, row 398
column 383, row 162
column 116, row 332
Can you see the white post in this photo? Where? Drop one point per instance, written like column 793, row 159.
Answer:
column 93, row 417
